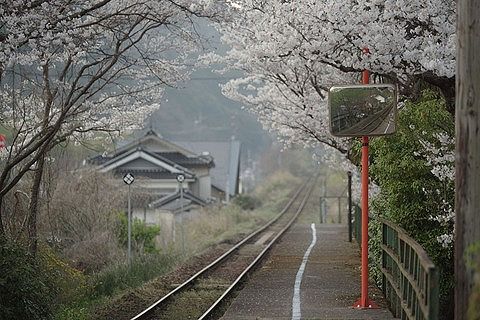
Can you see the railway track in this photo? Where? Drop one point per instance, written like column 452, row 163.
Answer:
column 202, row 295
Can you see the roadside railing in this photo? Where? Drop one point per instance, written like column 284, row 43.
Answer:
column 410, row 279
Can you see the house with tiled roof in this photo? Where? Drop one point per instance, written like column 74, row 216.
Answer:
column 157, row 196
column 155, row 163
column 225, row 175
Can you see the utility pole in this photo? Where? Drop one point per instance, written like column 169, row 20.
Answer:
column 324, row 199
column 364, row 301
column 227, row 189
column 349, row 216
column 181, row 218
column 181, row 179
column 467, row 163
column 129, row 179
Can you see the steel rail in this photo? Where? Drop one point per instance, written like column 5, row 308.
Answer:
column 222, row 257
column 258, row 258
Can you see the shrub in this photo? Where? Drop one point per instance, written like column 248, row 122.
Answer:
column 73, row 312
column 247, row 202
column 80, row 219
column 143, row 235
column 277, row 187
column 25, row 290
column 120, row 276
column 71, row 284
column 412, row 196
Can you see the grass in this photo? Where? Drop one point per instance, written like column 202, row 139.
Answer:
column 120, row 277
column 114, row 280
column 216, row 224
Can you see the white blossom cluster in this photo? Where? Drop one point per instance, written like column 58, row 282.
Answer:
column 446, row 240
column 4, row 152
column 90, row 64
column 292, row 52
column 444, row 216
column 70, row 68
column 441, row 156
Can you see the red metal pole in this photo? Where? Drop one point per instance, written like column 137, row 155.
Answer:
column 364, row 302
column 365, row 75
column 364, row 296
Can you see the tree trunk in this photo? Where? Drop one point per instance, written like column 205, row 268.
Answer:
column 33, row 207
column 37, row 177
column 467, row 182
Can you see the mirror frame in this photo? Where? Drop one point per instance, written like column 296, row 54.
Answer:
column 359, row 86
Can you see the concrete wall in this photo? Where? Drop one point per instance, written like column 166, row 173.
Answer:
column 205, row 187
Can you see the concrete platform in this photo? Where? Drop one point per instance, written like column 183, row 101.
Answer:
column 330, row 283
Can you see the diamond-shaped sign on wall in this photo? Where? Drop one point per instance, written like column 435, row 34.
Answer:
column 128, row 178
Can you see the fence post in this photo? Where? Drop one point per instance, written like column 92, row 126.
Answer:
column 433, row 294
column 357, row 223
column 349, row 217
column 339, row 210
column 320, row 209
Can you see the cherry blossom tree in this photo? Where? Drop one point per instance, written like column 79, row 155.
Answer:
column 68, row 68
column 292, row 52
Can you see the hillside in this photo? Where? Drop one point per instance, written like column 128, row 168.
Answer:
column 197, row 110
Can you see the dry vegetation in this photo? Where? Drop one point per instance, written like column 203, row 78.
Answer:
column 82, row 251
column 81, row 220
column 207, row 236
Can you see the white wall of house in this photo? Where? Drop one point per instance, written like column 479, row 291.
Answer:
column 162, row 218
column 205, row 186
column 202, row 187
column 170, row 224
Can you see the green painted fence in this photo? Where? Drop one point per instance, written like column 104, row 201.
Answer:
column 410, row 279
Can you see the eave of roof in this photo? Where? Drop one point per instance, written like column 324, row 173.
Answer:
column 140, row 152
column 152, row 135
column 174, row 196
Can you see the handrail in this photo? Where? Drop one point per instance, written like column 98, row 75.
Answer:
column 410, row 279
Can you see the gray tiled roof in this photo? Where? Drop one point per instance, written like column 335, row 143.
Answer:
column 185, row 161
column 172, row 157
column 123, row 155
column 157, row 173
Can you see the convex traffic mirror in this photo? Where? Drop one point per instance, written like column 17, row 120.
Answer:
column 362, row 110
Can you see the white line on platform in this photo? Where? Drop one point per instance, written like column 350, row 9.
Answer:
column 296, row 312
